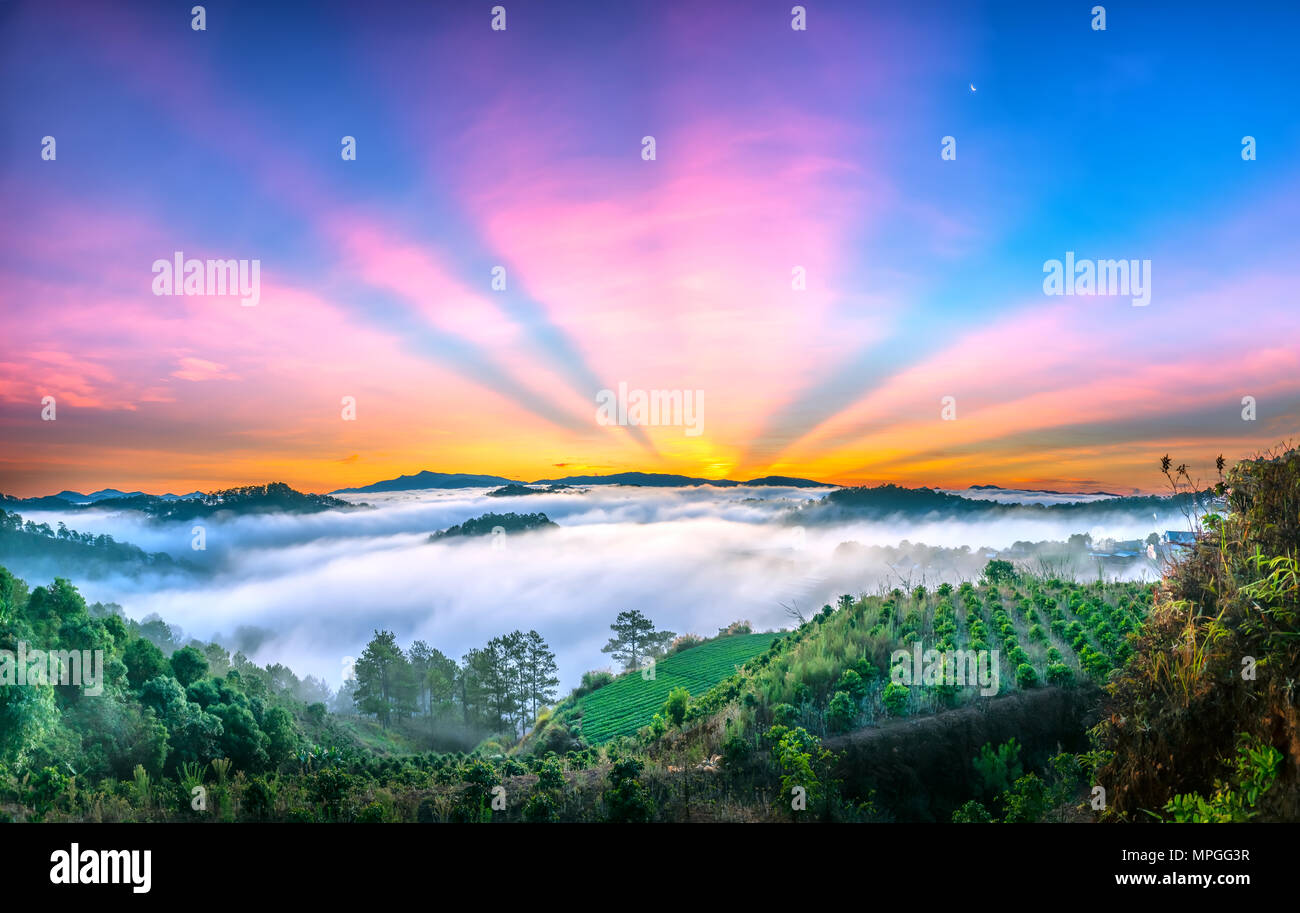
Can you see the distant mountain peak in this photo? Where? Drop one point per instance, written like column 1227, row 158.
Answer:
column 425, row 479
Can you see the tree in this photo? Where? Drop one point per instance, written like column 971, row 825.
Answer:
column 486, row 687
column 439, row 682
column 635, row 638
column 541, row 669
column 144, row 661
column 419, row 656
column 381, row 672
column 189, row 665
column 997, row 571
column 514, row 670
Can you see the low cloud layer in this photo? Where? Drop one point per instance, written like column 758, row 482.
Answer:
column 692, row 559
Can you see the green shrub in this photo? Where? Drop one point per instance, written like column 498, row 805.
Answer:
column 972, row 812
column 674, row 710
column 541, row 808
column 895, row 698
column 626, row 800
column 842, row 712
column 1060, row 674
column 371, row 814
column 1026, row 677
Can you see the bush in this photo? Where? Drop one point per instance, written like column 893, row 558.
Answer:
column 684, row 642
column 998, row 768
column 842, row 712
column 1060, row 674
column 626, row 800
column 541, row 808
column 737, row 752
column 895, row 698
column 784, row 715
column 593, row 681
column 1027, row 801
column 998, row 572
column 852, row 683
column 674, row 710
column 1026, row 677
column 550, row 775
column 371, row 814
column 972, row 812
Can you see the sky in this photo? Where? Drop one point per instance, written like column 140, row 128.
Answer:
column 775, row 150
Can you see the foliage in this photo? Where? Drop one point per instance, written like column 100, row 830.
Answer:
column 635, row 639
column 998, row 767
column 1255, row 771
column 674, row 710
column 626, row 799
column 1218, row 657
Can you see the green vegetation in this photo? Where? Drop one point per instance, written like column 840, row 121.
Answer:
column 67, row 549
column 1255, row 771
column 631, row 701
column 1197, row 676
column 89, row 734
column 635, row 639
column 274, row 497
column 497, row 690
column 487, row 523
column 1219, row 657
column 834, row 672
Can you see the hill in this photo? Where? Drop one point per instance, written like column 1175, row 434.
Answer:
column 631, row 701
column 273, row 497
column 884, row 501
column 1207, row 706
column 441, row 480
column 485, row 524
column 39, row 549
column 668, row 480
column 426, row 479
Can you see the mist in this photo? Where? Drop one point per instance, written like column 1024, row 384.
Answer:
column 314, row 587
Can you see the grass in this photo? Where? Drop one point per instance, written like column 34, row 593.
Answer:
column 368, row 734
column 630, row 701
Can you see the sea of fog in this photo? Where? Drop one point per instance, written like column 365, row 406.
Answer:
column 309, row 590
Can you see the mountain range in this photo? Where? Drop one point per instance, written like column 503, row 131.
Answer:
column 428, row 480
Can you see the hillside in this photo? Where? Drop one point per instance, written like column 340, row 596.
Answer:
column 273, row 497
column 883, row 502
column 429, row 480
column 1205, row 716
column 631, row 701
column 485, row 524
column 833, row 674
column 39, row 550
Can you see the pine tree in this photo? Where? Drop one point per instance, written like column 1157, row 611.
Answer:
column 635, row 638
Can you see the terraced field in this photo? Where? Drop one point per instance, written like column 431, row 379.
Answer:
column 630, row 702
